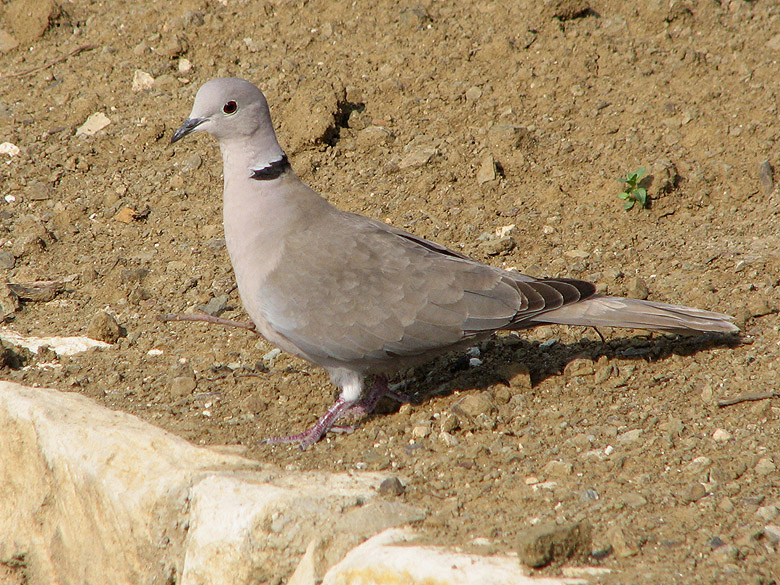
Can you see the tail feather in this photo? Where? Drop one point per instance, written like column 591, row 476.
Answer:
column 603, row 311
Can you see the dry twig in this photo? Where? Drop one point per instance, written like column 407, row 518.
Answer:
column 749, row 397
column 56, row 61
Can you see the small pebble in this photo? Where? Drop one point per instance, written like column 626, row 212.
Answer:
column 629, row 436
column 216, row 305
column 721, row 435
column 421, row 431
column 182, row 385
column 448, row 439
column 638, row 289
column 589, row 495
column 391, row 486
column 772, row 532
column 142, row 81
column 765, row 466
column 767, row 513
column 104, row 327
column 450, row 423
column 558, row 468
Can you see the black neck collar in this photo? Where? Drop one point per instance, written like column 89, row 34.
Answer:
column 271, row 171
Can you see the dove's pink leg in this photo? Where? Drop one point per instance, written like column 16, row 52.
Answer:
column 369, row 402
column 340, row 409
column 313, row 434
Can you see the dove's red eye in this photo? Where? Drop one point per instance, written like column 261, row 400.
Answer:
column 230, row 107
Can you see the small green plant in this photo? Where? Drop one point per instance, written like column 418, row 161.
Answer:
column 632, row 193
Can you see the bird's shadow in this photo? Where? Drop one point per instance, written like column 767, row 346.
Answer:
column 451, row 373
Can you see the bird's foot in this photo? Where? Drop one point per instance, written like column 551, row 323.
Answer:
column 313, row 434
column 369, row 402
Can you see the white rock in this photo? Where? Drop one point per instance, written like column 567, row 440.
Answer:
column 448, row 439
column 184, row 65
column 61, row 345
column 9, row 148
column 506, row 230
column 585, row 571
column 389, row 558
column 629, row 436
column 131, row 503
column 94, row 124
column 421, row 431
column 772, row 532
column 721, row 435
column 142, row 81
column 767, row 513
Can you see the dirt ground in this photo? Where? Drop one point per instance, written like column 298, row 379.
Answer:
column 451, row 120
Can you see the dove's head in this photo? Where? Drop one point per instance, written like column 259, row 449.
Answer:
column 229, row 109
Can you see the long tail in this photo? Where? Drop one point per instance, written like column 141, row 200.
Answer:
column 603, row 311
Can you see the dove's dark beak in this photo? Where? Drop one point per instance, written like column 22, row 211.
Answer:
column 187, row 127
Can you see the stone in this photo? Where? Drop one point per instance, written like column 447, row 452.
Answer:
column 496, row 246
column 487, row 170
column 38, row 191
column 629, row 436
column 721, row 436
column 62, row 346
column 767, row 513
column 104, row 327
column 765, row 466
column 93, row 124
column 133, row 275
column 694, row 492
column 447, row 439
column 216, row 305
column 7, row 41
column 541, row 545
column 191, row 163
column 312, row 115
column 417, row 157
column 166, row 83
column 624, row 541
column 372, row 135
column 579, row 367
column 638, row 289
column 142, row 81
column 421, row 431
column 222, row 519
column 182, row 385
column 698, row 465
column 557, row 468
column 391, row 486
column 7, row 260
column 391, row 557
column 633, row 500
column 766, row 176
column 473, row 93
column 30, row 19
column 772, row 532
column 449, row 423
column 474, row 405
column 567, row 9
column 760, row 307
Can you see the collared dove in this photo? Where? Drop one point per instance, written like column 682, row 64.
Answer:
column 364, row 299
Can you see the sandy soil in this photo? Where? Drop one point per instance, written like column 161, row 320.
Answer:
column 451, row 120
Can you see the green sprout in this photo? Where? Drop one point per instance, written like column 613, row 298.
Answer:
column 632, row 193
